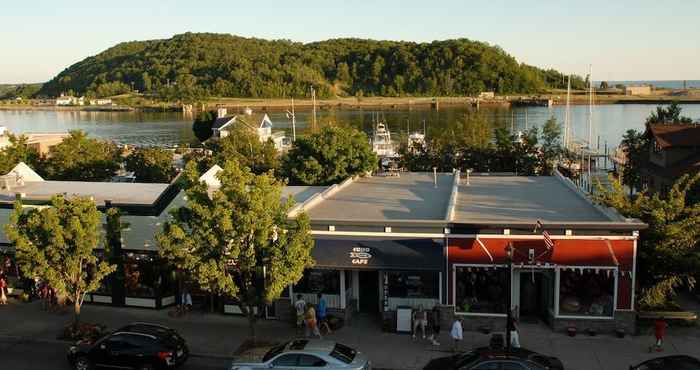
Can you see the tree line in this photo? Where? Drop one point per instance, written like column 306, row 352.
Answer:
column 194, row 66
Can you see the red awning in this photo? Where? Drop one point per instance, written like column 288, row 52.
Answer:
column 566, row 252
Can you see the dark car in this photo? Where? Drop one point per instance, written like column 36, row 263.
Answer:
column 678, row 362
column 136, row 346
column 496, row 359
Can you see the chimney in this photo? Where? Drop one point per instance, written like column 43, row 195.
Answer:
column 221, row 112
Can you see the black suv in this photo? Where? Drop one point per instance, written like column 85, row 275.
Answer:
column 486, row 358
column 140, row 346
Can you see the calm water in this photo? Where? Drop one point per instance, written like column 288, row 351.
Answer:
column 610, row 121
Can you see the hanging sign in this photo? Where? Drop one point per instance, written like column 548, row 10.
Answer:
column 360, row 255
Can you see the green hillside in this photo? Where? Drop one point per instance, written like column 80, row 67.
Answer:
column 192, row 66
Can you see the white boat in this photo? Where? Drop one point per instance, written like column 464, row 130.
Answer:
column 416, row 139
column 381, row 142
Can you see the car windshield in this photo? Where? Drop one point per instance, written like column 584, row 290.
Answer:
column 273, row 352
column 466, row 359
column 343, row 353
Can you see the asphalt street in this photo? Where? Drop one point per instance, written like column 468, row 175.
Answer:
column 29, row 355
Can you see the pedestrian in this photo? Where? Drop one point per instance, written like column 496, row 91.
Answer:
column 660, row 326
column 300, row 307
column 311, row 323
column 435, row 325
column 457, row 333
column 322, row 317
column 514, row 336
column 420, row 319
column 3, row 287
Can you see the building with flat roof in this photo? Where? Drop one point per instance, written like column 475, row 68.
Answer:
column 424, row 239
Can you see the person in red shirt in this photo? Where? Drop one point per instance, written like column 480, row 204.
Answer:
column 660, row 326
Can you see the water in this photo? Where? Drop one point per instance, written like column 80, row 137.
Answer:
column 610, row 122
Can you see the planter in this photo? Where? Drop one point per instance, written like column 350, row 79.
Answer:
column 571, row 331
column 84, row 332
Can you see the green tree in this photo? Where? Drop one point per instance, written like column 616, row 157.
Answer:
column 244, row 146
column 79, row 158
column 667, row 252
column 238, row 242
column 18, row 151
column 57, row 244
column 329, row 156
column 603, row 85
column 551, row 145
column 151, row 165
column 669, row 115
column 635, row 146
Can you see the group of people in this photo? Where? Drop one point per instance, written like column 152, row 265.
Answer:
column 312, row 319
column 431, row 323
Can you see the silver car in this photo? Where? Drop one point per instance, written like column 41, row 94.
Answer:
column 309, row 353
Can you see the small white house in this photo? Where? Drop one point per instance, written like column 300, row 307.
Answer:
column 100, row 101
column 260, row 124
column 70, row 100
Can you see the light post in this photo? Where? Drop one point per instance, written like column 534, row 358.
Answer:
column 509, row 259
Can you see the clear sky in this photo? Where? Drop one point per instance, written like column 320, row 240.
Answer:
column 623, row 39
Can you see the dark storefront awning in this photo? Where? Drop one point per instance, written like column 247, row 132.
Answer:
column 389, row 254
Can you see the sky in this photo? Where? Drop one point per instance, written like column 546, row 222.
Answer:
column 622, row 39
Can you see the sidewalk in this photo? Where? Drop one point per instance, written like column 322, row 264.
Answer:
column 215, row 335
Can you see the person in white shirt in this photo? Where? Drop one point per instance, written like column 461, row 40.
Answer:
column 457, row 333
column 420, row 320
column 300, row 307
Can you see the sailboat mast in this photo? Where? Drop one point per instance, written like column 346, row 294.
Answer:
column 294, row 123
column 567, row 114
column 590, row 106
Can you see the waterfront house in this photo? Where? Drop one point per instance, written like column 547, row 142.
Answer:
column 41, row 142
column 638, row 90
column 674, row 152
column 70, row 100
column 420, row 239
column 257, row 123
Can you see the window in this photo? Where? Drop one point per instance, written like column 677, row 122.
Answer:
column 116, row 342
column 141, row 276
column 286, row 360
column 413, row 284
column 343, row 353
column 319, row 281
column 311, row 361
column 586, row 292
column 491, row 365
column 273, row 352
column 512, row 366
column 481, row 289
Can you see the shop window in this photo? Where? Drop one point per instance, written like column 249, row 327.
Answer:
column 413, row 284
column 481, row 289
column 586, row 292
column 140, row 276
column 319, row 281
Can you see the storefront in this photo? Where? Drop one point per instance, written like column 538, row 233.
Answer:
column 579, row 278
column 374, row 275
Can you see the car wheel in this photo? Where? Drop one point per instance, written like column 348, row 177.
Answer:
column 83, row 363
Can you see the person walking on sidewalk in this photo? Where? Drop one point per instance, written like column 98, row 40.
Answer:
column 660, row 327
column 322, row 318
column 420, row 319
column 3, row 288
column 457, row 333
column 311, row 323
column 300, row 307
column 435, row 325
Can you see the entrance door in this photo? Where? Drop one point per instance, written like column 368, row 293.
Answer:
column 369, row 291
column 536, row 295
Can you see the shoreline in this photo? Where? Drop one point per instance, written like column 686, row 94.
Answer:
column 355, row 103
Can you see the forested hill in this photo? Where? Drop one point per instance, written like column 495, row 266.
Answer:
column 196, row 65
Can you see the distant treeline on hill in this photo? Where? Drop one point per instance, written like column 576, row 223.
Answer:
column 192, row 66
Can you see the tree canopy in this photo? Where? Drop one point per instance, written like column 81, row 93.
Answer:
column 668, row 254
column 79, row 158
column 193, row 66
column 151, row 165
column 329, row 156
column 18, row 151
column 668, row 115
column 238, row 241
column 57, row 244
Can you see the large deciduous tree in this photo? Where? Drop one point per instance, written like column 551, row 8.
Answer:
column 244, row 146
column 57, row 244
column 80, row 158
column 329, row 156
column 237, row 241
column 202, row 125
column 18, row 151
column 667, row 252
column 151, row 165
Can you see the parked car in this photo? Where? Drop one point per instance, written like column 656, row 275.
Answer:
column 487, row 358
column 677, row 362
column 302, row 353
column 140, row 346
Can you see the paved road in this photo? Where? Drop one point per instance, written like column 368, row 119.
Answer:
column 52, row 356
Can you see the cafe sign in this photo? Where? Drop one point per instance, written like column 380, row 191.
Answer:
column 360, row 255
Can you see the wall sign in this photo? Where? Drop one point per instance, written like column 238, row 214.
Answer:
column 360, row 255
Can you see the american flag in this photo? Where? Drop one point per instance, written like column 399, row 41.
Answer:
column 547, row 238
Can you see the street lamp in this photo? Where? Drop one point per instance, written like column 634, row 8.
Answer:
column 509, row 318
